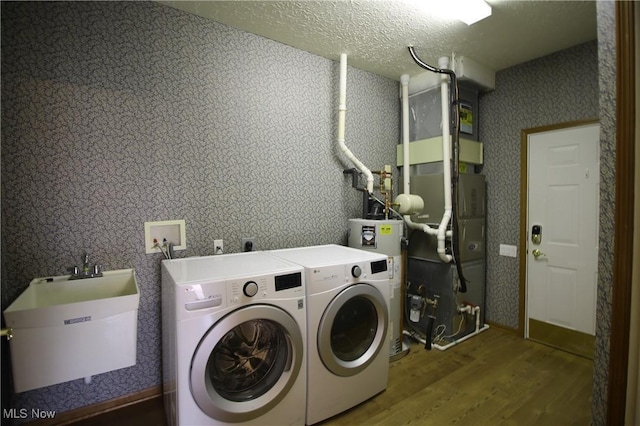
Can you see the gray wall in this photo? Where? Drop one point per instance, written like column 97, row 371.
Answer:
column 114, row 114
column 557, row 88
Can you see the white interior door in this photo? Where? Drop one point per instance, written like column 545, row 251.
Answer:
column 562, row 203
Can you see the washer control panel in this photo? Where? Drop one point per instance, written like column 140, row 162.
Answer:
column 221, row 294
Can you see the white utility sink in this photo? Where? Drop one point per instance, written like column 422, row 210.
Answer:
column 68, row 329
column 55, row 300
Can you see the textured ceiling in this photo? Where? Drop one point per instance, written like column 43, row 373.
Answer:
column 375, row 33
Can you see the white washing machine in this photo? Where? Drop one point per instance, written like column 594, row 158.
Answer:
column 234, row 340
column 347, row 323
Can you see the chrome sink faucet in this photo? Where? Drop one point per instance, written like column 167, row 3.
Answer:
column 85, row 272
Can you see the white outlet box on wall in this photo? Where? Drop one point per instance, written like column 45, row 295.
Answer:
column 174, row 231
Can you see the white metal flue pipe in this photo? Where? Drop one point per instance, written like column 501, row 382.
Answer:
column 342, row 110
column 441, row 232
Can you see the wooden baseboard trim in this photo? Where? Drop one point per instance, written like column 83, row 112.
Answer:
column 503, row 327
column 575, row 342
column 92, row 410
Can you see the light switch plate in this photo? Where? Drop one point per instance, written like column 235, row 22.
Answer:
column 508, row 250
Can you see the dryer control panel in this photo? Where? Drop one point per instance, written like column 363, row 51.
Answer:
column 328, row 277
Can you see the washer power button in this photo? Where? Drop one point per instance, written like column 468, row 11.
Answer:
column 356, row 271
column 250, row 288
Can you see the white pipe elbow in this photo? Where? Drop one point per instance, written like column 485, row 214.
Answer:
column 369, row 180
column 442, row 251
column 411, row 224
column 421, row 226
column 476, row 311
column 466, row 308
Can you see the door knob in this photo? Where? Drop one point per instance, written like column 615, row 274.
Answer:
column 7, row 332
column 537, row 253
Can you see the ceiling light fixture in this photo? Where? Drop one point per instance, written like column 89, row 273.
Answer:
column 467, row 11
column 471, row 11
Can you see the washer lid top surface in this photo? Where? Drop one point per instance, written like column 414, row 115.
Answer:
column 223, row 266
column 327, row 255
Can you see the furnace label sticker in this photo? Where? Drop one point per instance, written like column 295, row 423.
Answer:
column 466, row 118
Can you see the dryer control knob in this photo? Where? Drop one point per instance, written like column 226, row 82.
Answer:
column 250, row 288
column 356, row 271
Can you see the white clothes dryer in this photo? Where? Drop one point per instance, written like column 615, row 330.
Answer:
column 233, row 340
column 347, row 326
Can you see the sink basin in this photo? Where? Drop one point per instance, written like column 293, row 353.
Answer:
column 58, row 300
column 68, row 329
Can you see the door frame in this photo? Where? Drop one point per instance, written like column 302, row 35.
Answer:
column 624, row 211
column 524, row 185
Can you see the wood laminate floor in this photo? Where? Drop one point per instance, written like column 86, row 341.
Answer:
column 495, row 378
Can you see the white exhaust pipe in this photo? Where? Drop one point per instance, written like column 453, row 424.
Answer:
column 342, row 110
column 441, row 233
column 443, row 63
column 404, row 81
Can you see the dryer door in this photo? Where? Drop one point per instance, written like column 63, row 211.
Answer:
column 246, row 363
column 353, row 329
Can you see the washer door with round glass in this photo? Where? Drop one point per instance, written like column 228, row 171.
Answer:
column 246, row 363
column 353, row 329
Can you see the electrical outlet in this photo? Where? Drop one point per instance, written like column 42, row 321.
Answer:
column 173, row 231
column 218, row 246
column 249, row 244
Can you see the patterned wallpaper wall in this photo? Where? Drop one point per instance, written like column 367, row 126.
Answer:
column 557, row 88
column 607, row 95
column 117, row 113
column 114, row 114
